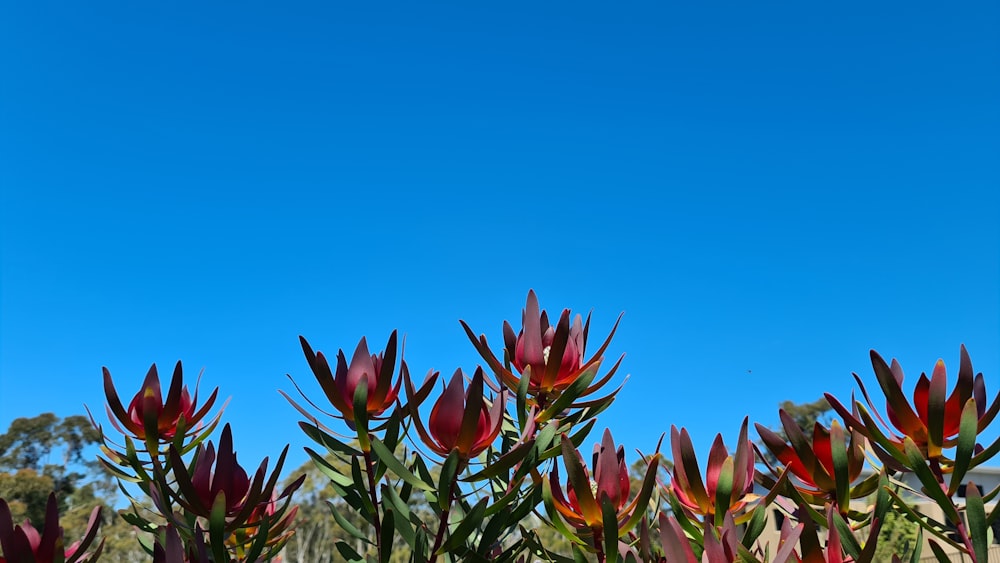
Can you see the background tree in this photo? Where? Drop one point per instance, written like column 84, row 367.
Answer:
column 42, row 454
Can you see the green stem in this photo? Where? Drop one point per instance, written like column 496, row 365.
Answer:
column 370, row 469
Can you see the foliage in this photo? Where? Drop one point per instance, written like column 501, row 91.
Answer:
column 492, row 469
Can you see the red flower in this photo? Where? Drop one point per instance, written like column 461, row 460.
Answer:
column 149, row 412
column 552, row 357
column 813, row 463
column 24, row 543
column 701, row 497
column 934, row 419
column 375, row 370
column 460, row 419
column 581, row 505
column 220, row 474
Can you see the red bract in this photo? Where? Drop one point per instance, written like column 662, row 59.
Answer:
column 220, row 474
column 814, row 463
column 581, row 505
column 460, row 419
column 375, row 369
column 552, row 357
column 735, row 472
column 24, row 543
column 933, row 421
column 149, row 414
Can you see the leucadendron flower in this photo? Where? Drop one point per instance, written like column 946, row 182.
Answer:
column 735, row 473
column 933, row 420
column 461, row 419
column 551, row 356
column 822, row 478
column 25, row 543
column 215, row 478
column 375, row 370
column 149, row 415
column 586, row 492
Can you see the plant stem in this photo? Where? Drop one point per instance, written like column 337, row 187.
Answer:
column 370, row 469
column 439, row 538
column 599, row 545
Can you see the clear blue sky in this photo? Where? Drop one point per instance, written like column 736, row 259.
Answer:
column 767, row 191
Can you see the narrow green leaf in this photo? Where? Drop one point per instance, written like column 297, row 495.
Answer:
column 332, row 444
column 755, row 526
column 447, row 479
column 348, row 553
column 385, row 538
column 724, row 490
column 346, row 524
column 470, row 522
column 942, row 557
column 931, row 486
column 977, row 520
column 609, row 517
column 217, row 527
column 841, row 472
column 847, row 539
column 964, row 450
column 387, row 457
column 327, row 469
column 403, row 524
column 361, row 412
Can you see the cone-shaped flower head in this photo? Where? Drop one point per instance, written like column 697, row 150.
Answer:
column 375, row 370
column 460, row 419
column 581, row 506
column 728, row 483
column 934, row 418
column 826, row 466
column 551, row 356
column 220, row 474
column 24, row 543
column 149, row 413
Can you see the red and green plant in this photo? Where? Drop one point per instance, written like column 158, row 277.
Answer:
column 485, row 457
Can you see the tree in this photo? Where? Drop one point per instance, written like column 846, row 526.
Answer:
column 42, row 454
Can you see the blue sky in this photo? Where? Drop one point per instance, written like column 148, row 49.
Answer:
column 768, row 191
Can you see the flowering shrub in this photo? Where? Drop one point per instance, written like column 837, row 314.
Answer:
column 488, row 454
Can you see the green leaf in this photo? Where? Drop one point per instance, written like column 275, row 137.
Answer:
column 447, row 479
column 332, row 444
column 609, row 517
column 555, row 518
column 361, row 412
column 470, row 522
column 502, row 463
column 977, row 520
column 724, row 490
column 942, row 557
column 568, row 395
column 346, row 525
column 397, row 505
column 492, row 530
column 755, row 526
column 931, row 486
column 387, row 457
column 847, row 539
column 327, row 469
column 348, row 553
column 385, row 537
column 521, row 400
column 217, row 527
column 581, row 482
column 841, row 472
column 967, row 430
